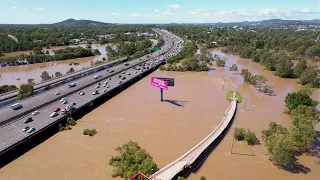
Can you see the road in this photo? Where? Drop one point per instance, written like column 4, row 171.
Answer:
column 10, row 133
column 186, row 160
column 33, row 103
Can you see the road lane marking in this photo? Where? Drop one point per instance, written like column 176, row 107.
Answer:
column 19, row 130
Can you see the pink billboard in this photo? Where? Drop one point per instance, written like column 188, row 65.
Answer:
column 159, row 83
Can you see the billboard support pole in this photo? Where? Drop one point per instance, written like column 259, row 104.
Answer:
column 161, row 94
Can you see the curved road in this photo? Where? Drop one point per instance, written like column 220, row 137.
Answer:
column 186, row 160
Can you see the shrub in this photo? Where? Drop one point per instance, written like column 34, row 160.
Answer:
column 203, row 178
column 86, row 131
column 239, row 134
column 250, row 137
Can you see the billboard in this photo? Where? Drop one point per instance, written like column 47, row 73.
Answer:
column 169, row 80
column 159, row 83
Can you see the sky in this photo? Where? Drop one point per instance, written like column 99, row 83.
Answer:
column 156, row 11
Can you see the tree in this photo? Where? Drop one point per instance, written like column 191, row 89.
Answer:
column 284, row 67
column 234, row 68
column 267, row 89
column 283, row 152
column 132, row 159
column 37, row 50
column 239, row 133
column 203, row 178
column 220, row 62
column 310, row 76
column 71, row 70
column 250, row 137
column 31, row 81
column 45, row 76
column 180, row 178
column 25, row 91
column 300, row 67
column 71, row 121
column 313, row 51
column 57, row 74
column 7, row 88
column 295, row 99
column 303, row 134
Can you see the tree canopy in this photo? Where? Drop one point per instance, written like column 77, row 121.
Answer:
column 132, row 159
column 25, row 91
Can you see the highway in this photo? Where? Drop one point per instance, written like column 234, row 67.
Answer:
column 45, row 98
column 12, row 94
column 186, row 160
column 11, row 131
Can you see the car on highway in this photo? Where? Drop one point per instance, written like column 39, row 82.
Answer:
column 95, row 92
column 111, row 71
column 63, row 111
column 126, row 64
column 54, row 114
column 57, row 93
column 119, row 82
column 35, row 113
column 108, row 86
column 104, row 90
column 123, row 72
column 63, row 99
column 26, row 129
column 64, row 102
column 82, row 93
column 31, row 130
column 97, row 76
column 123, row 78
column 129, row 73
column 122, row 68
column 28, row 120
column 135, row 72
column 109, row 79
column 72, row 84
column 16, row 106
column 97, row 86
column 56, row 110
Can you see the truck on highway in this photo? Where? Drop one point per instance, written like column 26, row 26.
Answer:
column 16, row 106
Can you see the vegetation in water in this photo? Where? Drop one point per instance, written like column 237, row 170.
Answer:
column 90, row 132
column 249, row 136
column 45, row 76
column 67, row 125
column 131, row 159
column 285, row 145
column 230, row 96
column 57, row 74
column 258, row 81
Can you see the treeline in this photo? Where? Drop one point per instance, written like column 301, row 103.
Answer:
column 7, row 88
column 190, row 61
column 62, row 54
column 286, row 144
column 29, row 37
column 129, row 49
column 274, row 49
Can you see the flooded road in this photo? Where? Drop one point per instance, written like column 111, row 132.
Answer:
column 193, row 108
column 17, row 75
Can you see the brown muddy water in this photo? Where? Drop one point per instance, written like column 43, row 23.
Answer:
column 194, row 107
column 17, row 75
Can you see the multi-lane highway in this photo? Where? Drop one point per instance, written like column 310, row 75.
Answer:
column 13, row 121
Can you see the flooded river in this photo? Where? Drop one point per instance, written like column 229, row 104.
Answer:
column 17, row 75
column 193, row 108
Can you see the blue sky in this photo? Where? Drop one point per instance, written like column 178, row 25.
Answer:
column 155, row 11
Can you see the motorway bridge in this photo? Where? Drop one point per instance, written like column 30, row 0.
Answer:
column 12, row 121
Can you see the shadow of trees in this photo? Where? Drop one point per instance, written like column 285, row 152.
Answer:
column 176, row 102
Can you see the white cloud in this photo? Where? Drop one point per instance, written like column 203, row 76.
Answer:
column 156, row 11
column 71, row 11
column 135, row 14
column 24, row 10
column 305, row 10
column 14, row 7
column 166, row 13
column 40, row 9
column 270, row 12
column 214, row 16
column 175, row 6
column 115, row 14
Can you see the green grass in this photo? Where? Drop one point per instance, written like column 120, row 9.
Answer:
column 230, row 95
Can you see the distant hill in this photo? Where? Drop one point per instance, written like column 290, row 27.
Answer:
column 82, row 22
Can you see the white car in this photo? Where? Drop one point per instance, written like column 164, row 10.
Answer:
column 35, row 113
column 135, row 72
column 129, row 73
column 123, row 72
column 104, row 85
column 63, row 99
column 95, row 92
column 53, row 114
column 57, row 93
column 104, row 90
column 81, row 93
column 63, row 111
column 97, row 86
column 108, row 86
column 64, row 102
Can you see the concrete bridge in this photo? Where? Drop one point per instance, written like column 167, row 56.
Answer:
column 186, row 160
